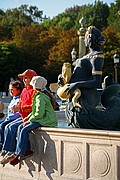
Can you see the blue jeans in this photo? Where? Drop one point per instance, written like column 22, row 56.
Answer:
column 2, row 127
column 23, row 142
column 10, row 134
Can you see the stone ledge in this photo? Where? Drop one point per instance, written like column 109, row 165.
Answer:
column 69, row 154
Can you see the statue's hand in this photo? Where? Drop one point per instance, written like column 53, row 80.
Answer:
column 60, row 81
column 71, row 88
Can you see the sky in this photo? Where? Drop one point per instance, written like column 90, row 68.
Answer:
column 50, row 8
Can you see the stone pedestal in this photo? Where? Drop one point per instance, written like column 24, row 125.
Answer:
column 69, row 154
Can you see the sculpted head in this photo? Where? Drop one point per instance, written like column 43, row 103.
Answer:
column 93, row 37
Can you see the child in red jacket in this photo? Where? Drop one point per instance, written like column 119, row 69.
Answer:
column 24, row 107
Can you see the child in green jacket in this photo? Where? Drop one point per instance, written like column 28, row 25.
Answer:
column 42, row 114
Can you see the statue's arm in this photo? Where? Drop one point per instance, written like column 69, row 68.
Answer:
column 95, row 82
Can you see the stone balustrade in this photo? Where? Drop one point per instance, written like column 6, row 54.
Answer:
column 69, row 154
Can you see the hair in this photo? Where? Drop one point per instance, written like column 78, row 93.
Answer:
column 52, row 99
column 18, row 85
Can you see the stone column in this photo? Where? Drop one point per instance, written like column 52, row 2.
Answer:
column 81, row 34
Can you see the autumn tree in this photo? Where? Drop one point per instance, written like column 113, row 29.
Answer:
column 60, row 52
column 27, row 39
column 111, row 47
column 45, row 45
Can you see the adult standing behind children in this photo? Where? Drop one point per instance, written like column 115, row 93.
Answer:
column 15, row 89
column 42, row 114
column 24, row 107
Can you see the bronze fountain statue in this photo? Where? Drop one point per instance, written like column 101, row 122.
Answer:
column 87, row 78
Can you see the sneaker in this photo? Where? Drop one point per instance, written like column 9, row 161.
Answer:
column 3, row 153
column 15, row 160
column 28, row 154
column 19, row 158
column 6, row 159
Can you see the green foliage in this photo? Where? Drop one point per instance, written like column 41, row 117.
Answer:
column 114, row 16
column 86, row 12
column 96, row 15
column 100, row 15
column 22, row 16
column 11, row 62
column 31, row 11
column 15, row 18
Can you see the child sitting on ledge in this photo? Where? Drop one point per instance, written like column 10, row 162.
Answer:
column 42, row 114
column 15, row 89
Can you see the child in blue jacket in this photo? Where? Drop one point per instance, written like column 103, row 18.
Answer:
column 15, row 89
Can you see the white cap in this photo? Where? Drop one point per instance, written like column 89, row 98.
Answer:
column 38, row 82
